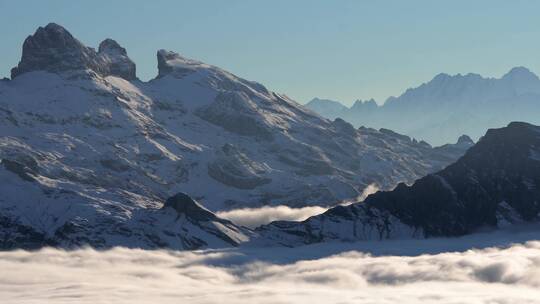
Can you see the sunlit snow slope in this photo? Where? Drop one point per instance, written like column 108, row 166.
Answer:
column 86, row 146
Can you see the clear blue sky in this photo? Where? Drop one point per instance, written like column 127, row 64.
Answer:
column 342, row 50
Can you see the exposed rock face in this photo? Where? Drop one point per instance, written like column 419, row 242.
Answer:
column 344, row 127
column 185, row 205
column 190, row 211
column 176, row 66
column 53, row 49
column 496, row 183
column 171, row 62
column 498, row 175
column 237, row 113
column 117, row 60
column 233, row 167
column 13, row 235
column 21, row 170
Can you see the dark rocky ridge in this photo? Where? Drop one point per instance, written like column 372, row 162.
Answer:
column 496, row 183
column 201, row 217
column 184, row 204
column 14, row 235
column 52, row 48
column 496, row 173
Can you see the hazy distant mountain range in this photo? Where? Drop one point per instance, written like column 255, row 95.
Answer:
column 447, row 106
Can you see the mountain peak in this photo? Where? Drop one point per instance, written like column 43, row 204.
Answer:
column 370, row 104
column 511, row 142
column 514, row 128
column 163, row 57
column 54, row 28
column 331, row 108
column 447, row 78
column 520, row 72
column 320, row 101
column 441, row 77
column 173, row 63
column 520, row 125
column 522, row 80
column 110, row 45
column 465, row 139
column 117, row 59
column 53, row 49
column 184, row 204
column 368, row 101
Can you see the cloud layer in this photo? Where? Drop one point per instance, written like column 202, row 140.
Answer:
column 254, row 217
column 509, row 275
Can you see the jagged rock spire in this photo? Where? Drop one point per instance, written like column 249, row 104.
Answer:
column 117, row 59
column 53, row 49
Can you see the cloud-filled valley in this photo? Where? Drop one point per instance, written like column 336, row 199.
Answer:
column 506, row 274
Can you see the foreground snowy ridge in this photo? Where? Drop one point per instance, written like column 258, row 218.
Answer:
column 90, row 154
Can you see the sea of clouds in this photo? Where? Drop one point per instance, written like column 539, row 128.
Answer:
column 364, row 272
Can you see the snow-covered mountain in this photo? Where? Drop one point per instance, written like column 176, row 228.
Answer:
column 90, row 153
column 495, row 184
column 448, row 106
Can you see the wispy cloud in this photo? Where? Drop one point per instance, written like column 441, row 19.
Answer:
column 370, row 189
column 254, row 217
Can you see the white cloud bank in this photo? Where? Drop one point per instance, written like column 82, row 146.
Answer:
column 254, row 217
column 493, row 275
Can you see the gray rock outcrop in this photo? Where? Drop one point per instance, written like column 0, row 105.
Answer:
column 53, row 49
